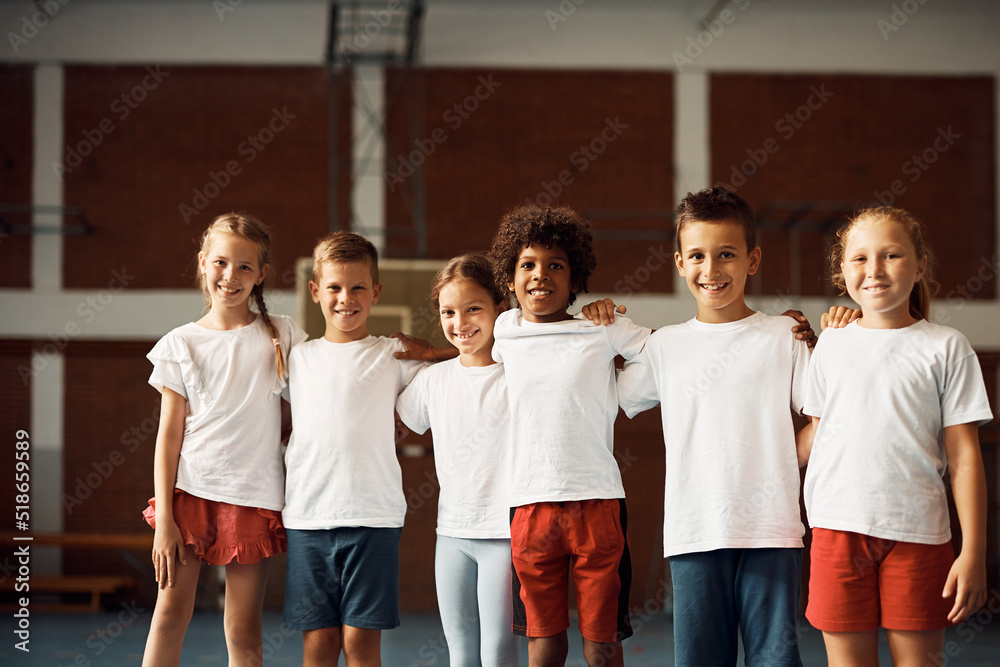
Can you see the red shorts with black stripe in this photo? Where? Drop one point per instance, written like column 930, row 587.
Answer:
column 586, row 540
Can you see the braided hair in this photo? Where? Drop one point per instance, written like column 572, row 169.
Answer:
column 249, row 228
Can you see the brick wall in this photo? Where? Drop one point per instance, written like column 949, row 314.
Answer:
column 170, row 147
column 851, row 140
column 989, row 440
column 16, row 119
column 484, row 141
column 111, row 417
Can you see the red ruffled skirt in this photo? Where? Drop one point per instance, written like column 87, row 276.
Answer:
column 221, row 533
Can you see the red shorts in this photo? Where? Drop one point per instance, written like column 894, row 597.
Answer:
column 585, row 539
column 858, row 582
column 221, row 533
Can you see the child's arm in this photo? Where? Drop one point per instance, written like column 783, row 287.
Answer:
column 167, row 540
column 400, row 431
column 286, row 421
column 603, row 313
column 418, row 349
column 804, row 441
column 967, row 578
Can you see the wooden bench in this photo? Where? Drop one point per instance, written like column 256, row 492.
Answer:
column 94, row 585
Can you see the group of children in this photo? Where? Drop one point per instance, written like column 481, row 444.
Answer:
column 531, row 496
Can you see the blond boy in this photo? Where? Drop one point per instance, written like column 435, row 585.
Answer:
column 344, row 502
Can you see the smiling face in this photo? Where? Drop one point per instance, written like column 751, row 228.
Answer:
column 715, row 262
column 542, row 283
column 231, row 268
column 468, row 314
column 346, row 293
column 880, row 268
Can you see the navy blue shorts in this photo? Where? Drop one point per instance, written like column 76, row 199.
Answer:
column 751, row 592
column 342, row 576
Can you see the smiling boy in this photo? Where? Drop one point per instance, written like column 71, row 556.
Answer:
column 344, row 503
column 728, row 382
column 568, row 517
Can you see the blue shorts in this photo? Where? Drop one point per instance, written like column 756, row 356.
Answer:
column 753, row 592
column 342, row 576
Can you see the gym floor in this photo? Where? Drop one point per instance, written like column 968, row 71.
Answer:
column 113, row 639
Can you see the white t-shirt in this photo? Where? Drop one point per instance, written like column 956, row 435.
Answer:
column 883, row 397
column 726, row 393
column 466, row 409
column 563, row 403
column 341, row 459
column 231, row 450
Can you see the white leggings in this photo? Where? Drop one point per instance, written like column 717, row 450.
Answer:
column 473, row 590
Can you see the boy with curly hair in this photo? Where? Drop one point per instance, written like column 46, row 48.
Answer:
column 568, row 516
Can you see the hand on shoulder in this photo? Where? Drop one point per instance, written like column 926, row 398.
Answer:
column 602, row 312
column 838, row 317
column 803, row 330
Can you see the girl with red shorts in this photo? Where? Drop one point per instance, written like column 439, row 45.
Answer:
column 217, row 470
column 895, row 401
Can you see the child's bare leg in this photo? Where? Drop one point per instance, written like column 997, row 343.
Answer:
column 603, row 654
column 244, row 610
column 362, row 647
column 914, row 649
column 321, row 648
column 852, row 649
column 548, row 651
column 172, row 614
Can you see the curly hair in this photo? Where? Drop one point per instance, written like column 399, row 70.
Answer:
column 561, row 227
column 717, row 205
column 923, row 289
